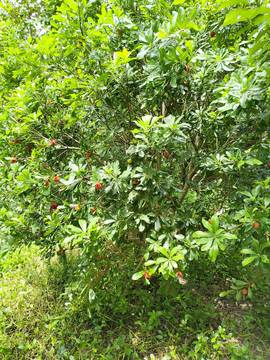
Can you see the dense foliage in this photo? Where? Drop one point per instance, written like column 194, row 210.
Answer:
column 135, row 138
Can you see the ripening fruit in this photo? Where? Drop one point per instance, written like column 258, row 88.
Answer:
column 47, row 182
column 187, row 68
column 13, row 160
column 88, row 154
column 54, row 206
column 77, row 207
column 256, row 225
column 129, row 161
column 244, row 291
column 166, row 154
column 56, row 178
column 146, row 275
column 98, row 186
column 213, row 34
column 136, row 182
column 29, row 147
column 180, row 278
column 53, row 142
column 49, row 101
column 120, row 32
column 15, row 141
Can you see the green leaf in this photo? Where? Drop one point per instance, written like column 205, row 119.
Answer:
column 203, row 241
column 122, row 57
column 265, row 245
column 91, row 295
column 160, row 260
column 207, row 225
column 207, row 246
column 222, row 4
column 265, row 259
column 137, row 275
column 74, row 229
column 226, row 293
column 240, row 15
column 213, row 253
column 230, row 236
column 157, row 224
column 178, row 2
column 248, row 260
column 253, row 162
column 176, row 250
column 178, row 257
column 163, row 251
column 109, row 221
column 201, row 234
column 145, row 218
column 238, row 296
column 247, row 251
column 141, row 227
column 83, row 225
column 214, row 221
column 149, row 263
column 239, row 283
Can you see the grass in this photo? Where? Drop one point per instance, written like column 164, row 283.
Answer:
column 39, row 319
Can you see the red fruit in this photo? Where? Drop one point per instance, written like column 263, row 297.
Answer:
column 53, row 142
column 98, row 186
column 179, row 274
column 256, row 225
column 47, row 182
column 146, row 275
column 213, row 34
column 245, row 291
column 13, row 160
column 88, row 154
column 93, row 210
column 166, row 154
column 54, row 206
column 56, row 178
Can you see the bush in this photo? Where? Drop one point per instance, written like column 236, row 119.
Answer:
column 135, row 136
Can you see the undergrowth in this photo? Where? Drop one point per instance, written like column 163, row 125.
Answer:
column 154, row 322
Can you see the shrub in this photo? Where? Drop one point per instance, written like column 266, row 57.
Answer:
column 135, row 134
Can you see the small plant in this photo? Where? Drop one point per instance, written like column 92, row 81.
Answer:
column 218, row 345
column 242, row 290
column 215, row 240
